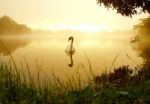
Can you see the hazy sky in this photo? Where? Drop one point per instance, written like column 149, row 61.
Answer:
column 61, row 14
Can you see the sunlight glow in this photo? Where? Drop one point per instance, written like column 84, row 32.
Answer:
column 89, row 43
column 83, row 15
column 80, row 27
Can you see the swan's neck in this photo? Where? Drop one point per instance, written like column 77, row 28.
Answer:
column 71, row 43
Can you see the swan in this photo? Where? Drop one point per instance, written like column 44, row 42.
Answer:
column 70, row 50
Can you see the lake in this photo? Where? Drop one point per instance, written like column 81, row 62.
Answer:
column 47, row 53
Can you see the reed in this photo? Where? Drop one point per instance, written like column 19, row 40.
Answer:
column 120, row 86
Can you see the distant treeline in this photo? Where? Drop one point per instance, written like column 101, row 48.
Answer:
column 9, row 27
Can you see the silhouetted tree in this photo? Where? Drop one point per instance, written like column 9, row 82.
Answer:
column 9, row 26
column 143, row 27
column 143, row 31
column 127, row 7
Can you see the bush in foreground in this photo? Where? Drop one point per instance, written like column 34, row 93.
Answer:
column 119, row 87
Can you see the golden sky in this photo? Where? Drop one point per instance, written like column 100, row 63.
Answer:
column 84, row 15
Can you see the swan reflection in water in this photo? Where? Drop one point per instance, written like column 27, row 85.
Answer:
column 70, row 50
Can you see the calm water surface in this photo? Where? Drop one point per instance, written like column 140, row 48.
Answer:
column 47, row 52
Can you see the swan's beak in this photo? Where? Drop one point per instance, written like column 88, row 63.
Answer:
column 70, row 38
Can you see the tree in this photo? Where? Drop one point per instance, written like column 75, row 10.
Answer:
column 143, row 27
column 127, row 7
column 143, row 31
column 9, row 26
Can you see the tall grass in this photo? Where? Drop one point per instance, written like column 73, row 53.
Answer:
column 19, row 87
column 118, row 87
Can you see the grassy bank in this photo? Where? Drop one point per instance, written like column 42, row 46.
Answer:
column 123, row 86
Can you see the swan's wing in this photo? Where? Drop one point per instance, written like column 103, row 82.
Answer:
column 69, row 50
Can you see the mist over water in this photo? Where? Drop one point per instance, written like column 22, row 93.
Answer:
column 48, row 51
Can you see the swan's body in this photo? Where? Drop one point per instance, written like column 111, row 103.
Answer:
column 70, row 50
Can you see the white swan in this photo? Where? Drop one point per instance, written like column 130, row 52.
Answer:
column 70, row 50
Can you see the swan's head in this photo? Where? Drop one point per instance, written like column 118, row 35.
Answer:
column 70, row 38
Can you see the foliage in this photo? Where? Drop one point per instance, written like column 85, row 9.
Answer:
column 119, row 77
column 143, row 27
column 105, row 90
column 143, row 32
column 127, row 7
column 9, row 26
